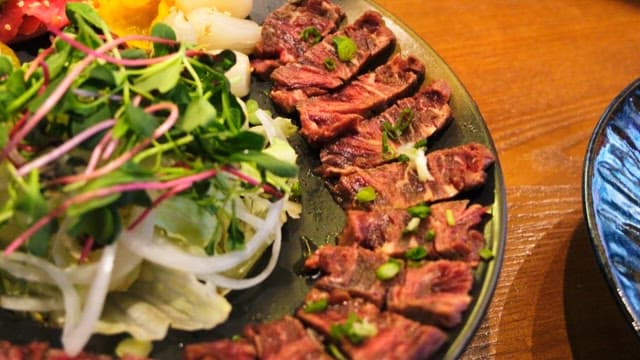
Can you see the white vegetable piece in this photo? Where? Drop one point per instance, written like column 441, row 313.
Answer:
column 240, row 75
column 213, row 30
column 236, row 8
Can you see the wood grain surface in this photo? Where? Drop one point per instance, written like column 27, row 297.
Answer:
column 542, row 72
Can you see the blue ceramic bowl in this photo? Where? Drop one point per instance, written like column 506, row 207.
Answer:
column 611, row 194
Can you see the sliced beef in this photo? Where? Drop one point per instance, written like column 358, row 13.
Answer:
column 325, row 117
column 282, row 39
column 363, row 332
column 396, row 185
column 350, row 269
column 428, row 111
column 435, row 293
column 224, row 349
column 284, row 339
column 386, row 230
column 42, row 351
column 320, row 70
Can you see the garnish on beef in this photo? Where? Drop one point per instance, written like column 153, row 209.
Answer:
column 350, row 269
column 320, row 71
column 284, row 339
column 365, row 148
column 436, row 292
column 397, row 185
column 386, row 230
column 223, row 349
column 291, row 30
column 325, row 117
column 363, row 332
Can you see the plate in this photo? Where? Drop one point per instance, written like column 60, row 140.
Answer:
column 322, row 219
column 611, row 196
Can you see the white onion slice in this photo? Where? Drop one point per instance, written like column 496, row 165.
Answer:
column 238, row 284
column 30, row 303
column 166, row 254
column 77, row 337
column 421, row 166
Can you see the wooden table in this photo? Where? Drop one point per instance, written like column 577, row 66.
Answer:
column 542, row 72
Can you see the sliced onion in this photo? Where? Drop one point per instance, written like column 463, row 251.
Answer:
column 166, row 254
column 77, row 336
column 421, row 166
column 30, row 303
column 238, row 284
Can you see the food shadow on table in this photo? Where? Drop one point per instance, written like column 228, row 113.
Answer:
column 596, row 325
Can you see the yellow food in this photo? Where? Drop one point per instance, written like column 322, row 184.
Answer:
column 129, row 17
column 6, row 51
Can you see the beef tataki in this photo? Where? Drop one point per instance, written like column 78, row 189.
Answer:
column 320, row 69
column 291, row 30
column 397, row 185
column 224, row 349
column 284, row 339
column 326, row 117
column 425, row 113
column 435, row 293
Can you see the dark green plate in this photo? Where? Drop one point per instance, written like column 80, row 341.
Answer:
column 322, row 219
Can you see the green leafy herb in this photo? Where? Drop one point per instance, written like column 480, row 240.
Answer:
column 345, row 47
column 366, row 194
column 311, row 35
column 402, row 123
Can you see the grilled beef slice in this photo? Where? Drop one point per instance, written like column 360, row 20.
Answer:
column 451, row 171
column 282, row 36
column 385, row 230
column 436, row 292
column 320, row 71
column 381, row 335
column 284, row 339
column 42, row 351
column 428, row 111
column 350, row 269
column 325, row 117
column 224, row 349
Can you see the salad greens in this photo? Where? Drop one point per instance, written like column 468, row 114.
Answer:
column 122, row 169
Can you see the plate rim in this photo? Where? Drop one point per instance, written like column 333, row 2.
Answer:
column 597, row 241
column 496, row 225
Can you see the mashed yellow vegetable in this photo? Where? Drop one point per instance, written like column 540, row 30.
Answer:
column 127, row 17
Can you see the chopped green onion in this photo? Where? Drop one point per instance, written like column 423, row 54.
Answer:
column 486, row 254
column 335, row 352
column 345, row 47
column 421, row 211
column 403, row 158
column 355, row 330
column 388, row 270
column 401, row 124
column 421, row 144
column 412, row 225
column 416, row 253
column 430, row 235
column 236, row 337
column 366, row 194
column 317, row 306
column 311, row 35
column 329, row 64
column 451, row 220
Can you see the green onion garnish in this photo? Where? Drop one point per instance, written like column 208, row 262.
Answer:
column 486, row 254
column 329, row 64
column 420, row 211
column 311, row 35
column 354, row 329
column 317, row 306
column 366, row 194
column 412, row 226
column 388, row 270
column 451, row 221
column 430, row 235
column 416, row 253
column 345, row 47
